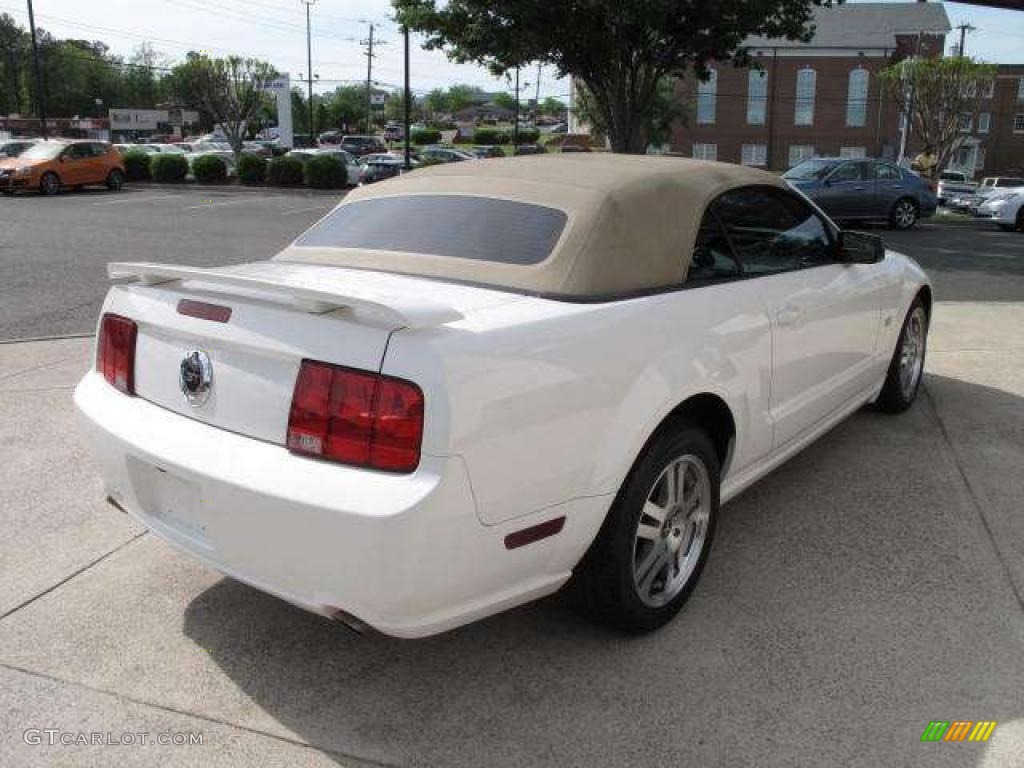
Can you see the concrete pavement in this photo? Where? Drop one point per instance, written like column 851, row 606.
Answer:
column 869, row 586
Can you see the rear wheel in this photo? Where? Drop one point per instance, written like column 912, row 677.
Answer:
column 904, row 214
column 907, row 367
column 115, row 180
column 653, row 545
column 1020, row 219
column 49, row 184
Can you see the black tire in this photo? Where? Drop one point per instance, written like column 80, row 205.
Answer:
column 1020, row 219
column 896, row 396
column 115, row 180
column 49, row 184
column 605, row 584
column 905, row 213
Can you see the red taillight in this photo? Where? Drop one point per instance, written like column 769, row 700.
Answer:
column 356, row 417
column 115, row 352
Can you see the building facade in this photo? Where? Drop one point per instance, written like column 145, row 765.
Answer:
column 824, row 97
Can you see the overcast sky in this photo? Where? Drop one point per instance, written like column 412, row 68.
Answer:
column 275, row 30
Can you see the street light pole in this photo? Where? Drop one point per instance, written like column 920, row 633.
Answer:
column 40, row 108
column 309, row 61
column 407, row 100
column 515, row 129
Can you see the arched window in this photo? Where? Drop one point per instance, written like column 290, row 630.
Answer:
column 706, row 92
column 757, row 96
column 806, row 80
column 857, row 99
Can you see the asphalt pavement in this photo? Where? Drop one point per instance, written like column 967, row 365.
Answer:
column 869, row 586
column 53, row 251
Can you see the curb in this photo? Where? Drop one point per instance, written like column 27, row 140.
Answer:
column 149, row 186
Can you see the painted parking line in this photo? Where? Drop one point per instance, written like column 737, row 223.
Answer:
column 211, row 204
column 136, row 200
column 291, row 211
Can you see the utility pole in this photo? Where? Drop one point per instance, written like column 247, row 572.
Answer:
column 40, row 108
column 515, row 129
column 309, row 60
column 369, row 74
column 407, row 100
column 536, row 98
column 964, row 28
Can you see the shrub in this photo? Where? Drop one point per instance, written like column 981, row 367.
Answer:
column 136, row 165
column 209, row 168
column 528, row 135
column 285, row 172
column 490, row 136
column 425, row 136
column 168, row 168
column 326, row 172
column 252, row 169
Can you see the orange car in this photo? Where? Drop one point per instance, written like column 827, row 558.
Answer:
column 50, row 165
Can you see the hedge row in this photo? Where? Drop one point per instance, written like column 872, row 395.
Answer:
column 489, row 136
column 320, row 172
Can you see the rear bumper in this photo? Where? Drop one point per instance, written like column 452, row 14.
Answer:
column 405, row 554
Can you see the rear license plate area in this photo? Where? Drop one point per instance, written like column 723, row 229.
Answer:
column 171, row 500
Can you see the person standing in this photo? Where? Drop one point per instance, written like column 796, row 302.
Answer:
column 925, row 163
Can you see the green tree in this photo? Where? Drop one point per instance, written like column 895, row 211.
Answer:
column 552, row 106
column 346, row 108
column 620, row 52
column 14, row 53
column 937, row 94
column 232, row 90
column 666, row 108
column 504, row 100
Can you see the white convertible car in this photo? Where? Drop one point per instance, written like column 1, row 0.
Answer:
column 469, row 385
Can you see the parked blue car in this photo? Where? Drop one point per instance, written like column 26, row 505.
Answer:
column 849, row 189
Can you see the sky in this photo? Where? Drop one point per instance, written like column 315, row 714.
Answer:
column 275, row 30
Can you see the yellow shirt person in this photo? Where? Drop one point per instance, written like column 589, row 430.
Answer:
column 925, row 162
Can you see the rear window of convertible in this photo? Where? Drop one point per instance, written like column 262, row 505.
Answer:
column 459, row 226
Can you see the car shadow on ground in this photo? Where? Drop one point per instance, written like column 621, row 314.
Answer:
column 850, row 598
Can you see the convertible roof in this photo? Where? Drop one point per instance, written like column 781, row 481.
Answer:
column 631, row 220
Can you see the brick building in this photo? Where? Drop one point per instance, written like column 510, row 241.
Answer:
column 995, row 144
column 816, row 98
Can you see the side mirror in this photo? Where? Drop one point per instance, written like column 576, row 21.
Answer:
column 860, row 247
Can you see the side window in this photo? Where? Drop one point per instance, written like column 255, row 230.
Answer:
column 773, row 231
column 847, row 172
column 886, row 172
column 712, row 257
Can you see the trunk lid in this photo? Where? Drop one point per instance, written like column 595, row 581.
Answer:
column 280, row 314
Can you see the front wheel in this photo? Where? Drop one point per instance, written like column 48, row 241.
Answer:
column 115, row 180
column 904, row 214
column 49, row 184
column 907, row 367
column 651, row 550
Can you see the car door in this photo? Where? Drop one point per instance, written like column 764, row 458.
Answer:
column 74, row 166
column 847, row 191
column 825, row 314
column 890, row 186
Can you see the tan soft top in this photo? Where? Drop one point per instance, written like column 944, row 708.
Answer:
column 631, row 220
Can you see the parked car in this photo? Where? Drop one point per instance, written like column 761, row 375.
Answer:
column 168, row 149
column 953, row 184
column 363, row 145
column 530, row 149
column 487, row 151
column 859, row 189
column 378, row 167
column 49, row 165
column 14, row 147
column 990, row 185
column 258, row 148
column 146, row 149
column 502, row 400
column 575, row 148
column 330, row 137
column 1005, row 208
column 436, row 154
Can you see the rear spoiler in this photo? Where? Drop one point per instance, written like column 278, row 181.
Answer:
column 411, row 312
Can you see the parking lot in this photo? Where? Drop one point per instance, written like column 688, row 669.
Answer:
column 53, row 250
column 872, row 584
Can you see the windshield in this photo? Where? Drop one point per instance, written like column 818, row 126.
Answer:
column 456, row 226
column 44, row 151
column 1007, row 182
column 810, row 170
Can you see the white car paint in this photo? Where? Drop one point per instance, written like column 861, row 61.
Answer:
column 1003, row 207
column 535, row 409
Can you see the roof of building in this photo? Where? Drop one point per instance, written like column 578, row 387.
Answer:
column 630, row 221
column 865, row 25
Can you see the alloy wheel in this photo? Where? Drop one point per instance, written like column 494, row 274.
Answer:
column 672, row 530
column 912, row 353
column 905, row 214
